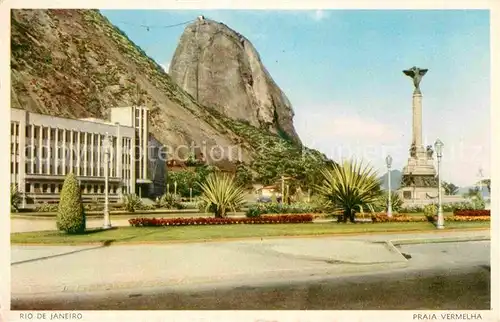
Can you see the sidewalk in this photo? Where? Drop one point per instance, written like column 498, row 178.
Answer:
column 56, row 269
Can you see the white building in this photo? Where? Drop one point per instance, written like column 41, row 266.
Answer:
column 45, row 148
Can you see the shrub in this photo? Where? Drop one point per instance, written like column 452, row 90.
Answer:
column 430, row 210
column 472, row 213
column 169, row 201
column 70, row 213
column 411, row 209
column 351, row 187
column 132, row 202
column 281, row 219
column 277, row 208
column 15, row 198
column 46, row 207
column 383, row 202
column 474, row 204
column 221, row 194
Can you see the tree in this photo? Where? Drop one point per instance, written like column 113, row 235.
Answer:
column 221, row 194
column 487, row 183
column 243, row 176
column 189, row 179
column 15, row 198
column 70, row 212
column 350, row 187
column 450, row 188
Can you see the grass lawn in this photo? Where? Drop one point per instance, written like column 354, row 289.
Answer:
column 185, row 233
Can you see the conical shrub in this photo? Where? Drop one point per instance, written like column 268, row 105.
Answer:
column 70, row 213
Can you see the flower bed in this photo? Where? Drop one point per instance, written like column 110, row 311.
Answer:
column 276, row 219
column 382, row 217
column 460, row 218
column 472, row 213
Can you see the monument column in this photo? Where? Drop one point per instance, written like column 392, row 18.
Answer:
column 417, row 120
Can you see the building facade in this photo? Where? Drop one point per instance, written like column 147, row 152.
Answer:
column 44, row 149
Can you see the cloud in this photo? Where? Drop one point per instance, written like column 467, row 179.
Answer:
column 345, row 127
column 319, row 15
column 165, row 67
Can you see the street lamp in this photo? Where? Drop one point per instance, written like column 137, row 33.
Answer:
column 175, row 187
column 388, row 161
column 107, row 145
column 439, row 152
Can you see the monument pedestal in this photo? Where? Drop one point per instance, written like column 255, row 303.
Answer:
column 419, row 183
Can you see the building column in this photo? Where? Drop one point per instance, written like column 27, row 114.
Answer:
column 92, row 140
column 48, row 147
column 65, row 153
column 40, row 145
column 56, row 147
column 86, row 150
column 119, row 159
column 132, row 163
column 22, row 159
column 71, row 148
column 99, row 151
column 78, row 154
column 145, row 142
column 32, row 143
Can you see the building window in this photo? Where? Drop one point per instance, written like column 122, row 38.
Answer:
column 60, row 187
column 407, row 194
column 44, row 188
column 53, row 188
column 27, row 187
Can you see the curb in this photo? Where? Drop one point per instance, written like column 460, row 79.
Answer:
column 457, row 239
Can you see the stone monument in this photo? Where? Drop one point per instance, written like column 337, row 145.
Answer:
column 419, row 184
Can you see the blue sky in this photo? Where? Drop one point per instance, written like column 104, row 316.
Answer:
column 342, row 71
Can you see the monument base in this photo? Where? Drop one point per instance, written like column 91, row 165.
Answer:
column 419, row 182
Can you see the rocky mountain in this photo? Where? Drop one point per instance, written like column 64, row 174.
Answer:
column 221, row 68
column 395, row 180
column 75, row 63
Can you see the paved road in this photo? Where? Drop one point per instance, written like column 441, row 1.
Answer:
column 178, row 271
column 457, row 289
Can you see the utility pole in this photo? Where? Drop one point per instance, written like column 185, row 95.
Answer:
column 282, row 189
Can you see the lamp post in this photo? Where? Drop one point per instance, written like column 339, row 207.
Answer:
column 175, row 187
column 388, row 161
column 439, row 153
column 106, row 144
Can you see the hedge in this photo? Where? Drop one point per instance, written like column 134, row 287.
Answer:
column 277, row 219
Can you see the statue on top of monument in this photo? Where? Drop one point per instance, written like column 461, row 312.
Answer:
column 429, row 151
column 417, row 74
column 413, row 150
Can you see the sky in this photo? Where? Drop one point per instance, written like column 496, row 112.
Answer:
column 342, row 71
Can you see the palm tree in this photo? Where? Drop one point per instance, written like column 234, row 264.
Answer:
column 220, row 193
column 350, row 187
column 450, row 188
